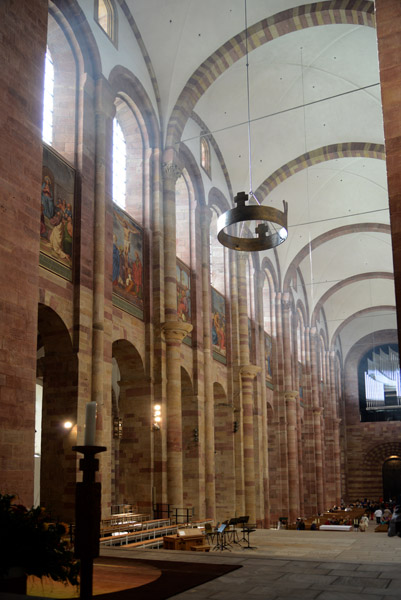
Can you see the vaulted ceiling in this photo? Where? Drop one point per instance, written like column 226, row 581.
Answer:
column 316, row 133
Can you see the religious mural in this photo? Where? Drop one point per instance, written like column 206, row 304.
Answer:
column 56, row 214
column 268, row 357
column 127, row 263
column 219, row 326
column 183, row 292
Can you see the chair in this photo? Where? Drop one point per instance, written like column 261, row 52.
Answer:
column 210, row 533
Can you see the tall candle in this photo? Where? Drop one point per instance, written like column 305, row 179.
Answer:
column 90, row 424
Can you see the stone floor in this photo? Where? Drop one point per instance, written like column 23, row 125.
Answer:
column 301, row 565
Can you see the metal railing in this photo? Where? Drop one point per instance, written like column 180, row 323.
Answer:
column 175, row 514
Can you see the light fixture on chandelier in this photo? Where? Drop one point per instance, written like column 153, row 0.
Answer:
column 267, row 218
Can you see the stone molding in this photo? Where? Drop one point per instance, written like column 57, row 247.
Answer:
column 171, row 170
column 176, row 330
column 250, row 370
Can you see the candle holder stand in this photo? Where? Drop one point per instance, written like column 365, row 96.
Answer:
column 87, row 516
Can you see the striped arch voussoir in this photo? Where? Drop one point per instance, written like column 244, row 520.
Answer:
column 332, row 12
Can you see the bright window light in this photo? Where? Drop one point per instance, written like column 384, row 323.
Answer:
column 119, row 165
column 48, row 100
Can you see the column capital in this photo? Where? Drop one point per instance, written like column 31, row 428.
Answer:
column 286, row 301
column 291, row 395
column 317, row 410
column 176, row 330
column 171, row 171
column 250, row 370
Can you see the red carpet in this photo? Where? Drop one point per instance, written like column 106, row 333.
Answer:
column 135, row 579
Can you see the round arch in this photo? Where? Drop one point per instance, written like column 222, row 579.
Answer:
column 264, row 31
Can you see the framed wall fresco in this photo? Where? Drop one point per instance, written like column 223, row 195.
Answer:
column 268, row 360
column 127, row 263
column 219, row 327
column 57, row 214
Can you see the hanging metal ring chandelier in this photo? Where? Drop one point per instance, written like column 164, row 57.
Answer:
column 267, row 217
column 268, row 236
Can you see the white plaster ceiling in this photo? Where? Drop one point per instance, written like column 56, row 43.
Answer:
column 325, row 65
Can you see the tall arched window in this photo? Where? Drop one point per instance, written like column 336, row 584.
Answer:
column 119, row 165
column 105, row 17
column 205, row 155
column 48, row 100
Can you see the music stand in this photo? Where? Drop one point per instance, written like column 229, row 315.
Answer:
column 221, row 539
column 242, row 521
column 247, row 530
column 232, row 528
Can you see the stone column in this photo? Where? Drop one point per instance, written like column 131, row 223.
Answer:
column 101, row 364
column 388, row 28
column 336, row 431
column 248, row 373
column 317, row 422
column 262, row 411
column 210, row 488
column 174, row 333
column 21, row 151
column 236, row 383
column 291, row 398
column 309, row 445
column 291, row 413
column 280, row 417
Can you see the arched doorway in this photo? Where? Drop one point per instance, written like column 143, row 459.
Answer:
column 392, row 479
column 57, row 374
column 132, row 408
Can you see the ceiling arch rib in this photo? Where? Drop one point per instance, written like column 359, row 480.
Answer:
column 327, row 236
column 376, row 318
column 310, row 15
column 345, row 282
column 317, row 156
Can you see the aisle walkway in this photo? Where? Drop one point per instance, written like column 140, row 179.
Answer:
column 298, row 565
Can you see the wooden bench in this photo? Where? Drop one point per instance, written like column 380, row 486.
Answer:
column 123, row 539
column 203, row 548
column 335, row 528
column 144, row 544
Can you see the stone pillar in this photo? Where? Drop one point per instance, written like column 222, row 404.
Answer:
column 248, row 373
column 280, row 416
column 210, row 488
column 101, row 379
column 317, row 421
column 236, row 383
column 336, row 431
column 388, row 28
column 174, row 332
column 171, row 172
column 309, row 440
column 21, row 102
column 262, row 411
column 291, row 398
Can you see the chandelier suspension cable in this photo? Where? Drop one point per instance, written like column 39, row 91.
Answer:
column 307, row 177
column 249, row 106
column 271, row 224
